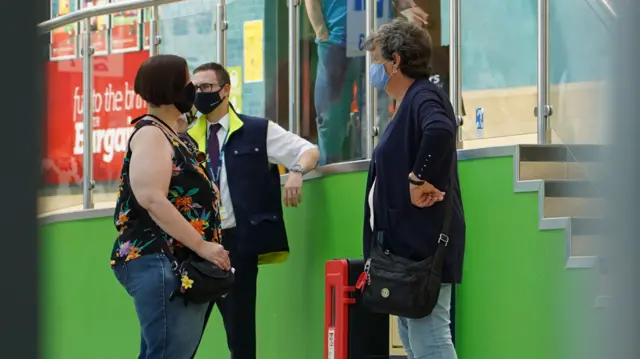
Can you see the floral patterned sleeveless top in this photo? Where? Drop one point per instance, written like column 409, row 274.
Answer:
column 191, row 191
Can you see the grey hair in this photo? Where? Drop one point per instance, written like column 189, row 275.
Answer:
column 411, row 42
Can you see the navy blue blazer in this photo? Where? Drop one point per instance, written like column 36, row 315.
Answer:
column 421, row 138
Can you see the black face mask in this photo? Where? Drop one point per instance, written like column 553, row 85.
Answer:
column 206, row 102
column 185, row 103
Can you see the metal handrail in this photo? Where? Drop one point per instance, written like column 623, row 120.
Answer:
column 107, row 9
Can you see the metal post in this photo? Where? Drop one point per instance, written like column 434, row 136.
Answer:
column 154, row 36
column 87, row 116
column 455, row 68
column 543, row 109
column 294, row 67
column 221, row 33
column 370, row 120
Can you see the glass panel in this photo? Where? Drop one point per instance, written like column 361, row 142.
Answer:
column 246, row 57
column 333, row 77
column 499, row 67
column 385, row 105
column 62, row 156
column 115, row 103
column 188, row 29
column 579, row 60
column 276, row 65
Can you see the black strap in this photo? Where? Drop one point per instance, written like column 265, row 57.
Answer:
column 443, row 240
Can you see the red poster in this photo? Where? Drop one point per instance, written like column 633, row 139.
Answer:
column 115, row 105
column 125, row 33
column 99, row 28
column 64, row 43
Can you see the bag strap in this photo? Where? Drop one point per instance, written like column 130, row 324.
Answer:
column 448, row 209
column 167, row 131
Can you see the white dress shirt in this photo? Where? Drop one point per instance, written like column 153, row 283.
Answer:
column 283, row 148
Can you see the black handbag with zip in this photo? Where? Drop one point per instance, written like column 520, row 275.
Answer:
column 399, row 286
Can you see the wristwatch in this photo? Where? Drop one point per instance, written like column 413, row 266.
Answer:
column 296, row 169
column 414, row 182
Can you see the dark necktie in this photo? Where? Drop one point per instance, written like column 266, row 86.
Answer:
column 213, row 147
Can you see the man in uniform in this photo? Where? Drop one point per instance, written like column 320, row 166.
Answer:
column 242, row 157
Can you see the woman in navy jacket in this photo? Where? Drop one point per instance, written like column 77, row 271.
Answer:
column 413, row 169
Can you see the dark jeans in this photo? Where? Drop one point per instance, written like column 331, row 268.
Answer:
column 169, row 329
column 341, row 133
column 238, row 308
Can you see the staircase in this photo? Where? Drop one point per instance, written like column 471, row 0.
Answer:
column 569, row 197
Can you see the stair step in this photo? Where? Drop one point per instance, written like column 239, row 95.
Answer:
column 573, row 207
column 570, row 188
column 585, row 245
column 550, row 171
column 561, row 153
column 586, row 225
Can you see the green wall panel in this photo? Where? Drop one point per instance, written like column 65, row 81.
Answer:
column 513, row 303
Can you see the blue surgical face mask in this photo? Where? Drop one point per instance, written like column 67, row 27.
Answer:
column 378, row 76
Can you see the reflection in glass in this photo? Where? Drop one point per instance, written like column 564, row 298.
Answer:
column 115, row 104
column 62, row 156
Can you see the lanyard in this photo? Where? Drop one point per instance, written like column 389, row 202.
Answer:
column 216, row 175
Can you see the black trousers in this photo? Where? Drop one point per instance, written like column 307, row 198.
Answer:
column 238, row 308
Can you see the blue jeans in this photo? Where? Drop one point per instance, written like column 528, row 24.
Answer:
column 169, row 329
column 341, row 134
column 429, row 337
column 333, row 96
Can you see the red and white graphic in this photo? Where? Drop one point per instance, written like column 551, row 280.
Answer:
column 115, row 104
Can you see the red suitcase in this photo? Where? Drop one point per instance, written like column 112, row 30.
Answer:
column 351, row 331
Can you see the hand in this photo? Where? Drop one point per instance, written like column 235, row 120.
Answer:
column 292, row 195
column 425, row 195
column 182, row 125
column 215, row 253
column 415, row 15
column 322, row 34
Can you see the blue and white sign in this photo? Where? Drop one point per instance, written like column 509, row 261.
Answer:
column 356, row 23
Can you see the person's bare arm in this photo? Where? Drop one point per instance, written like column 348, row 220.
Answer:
column 150, row 174
column 316, row 18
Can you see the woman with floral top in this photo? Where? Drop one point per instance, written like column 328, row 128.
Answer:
column 165, row 195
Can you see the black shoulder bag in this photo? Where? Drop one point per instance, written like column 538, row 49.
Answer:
column 200, row 280
column 399, row 286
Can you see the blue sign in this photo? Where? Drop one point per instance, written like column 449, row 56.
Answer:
column 361, row 5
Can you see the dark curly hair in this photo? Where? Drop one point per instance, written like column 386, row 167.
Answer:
column 411, row 42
